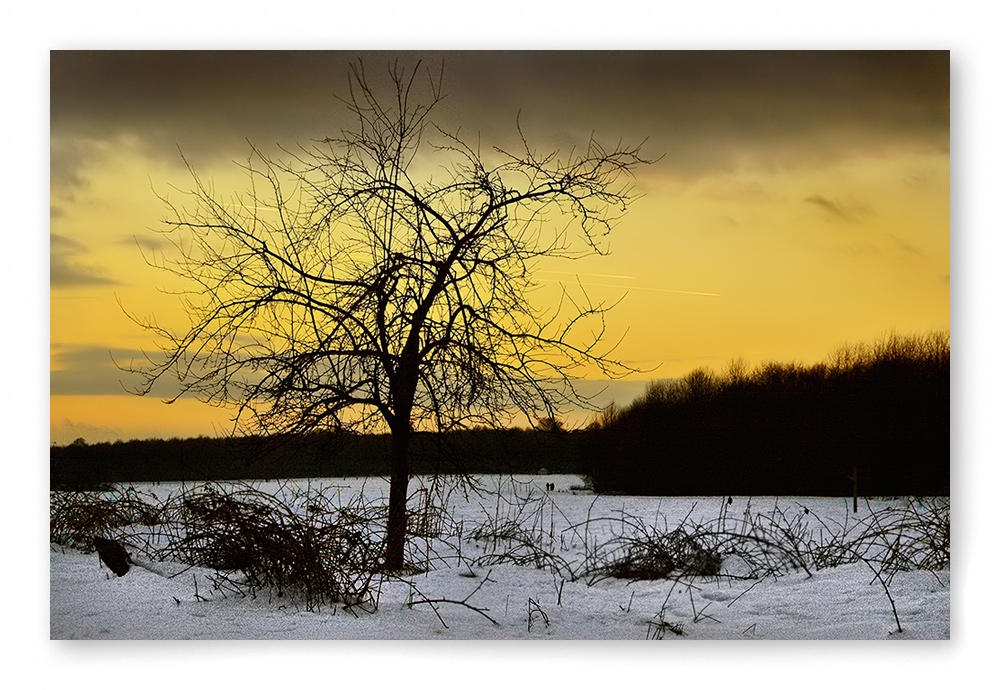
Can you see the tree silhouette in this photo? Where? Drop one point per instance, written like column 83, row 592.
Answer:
column 351, row 288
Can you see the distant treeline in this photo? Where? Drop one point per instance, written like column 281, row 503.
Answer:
column 484, row 451
column 879, row 412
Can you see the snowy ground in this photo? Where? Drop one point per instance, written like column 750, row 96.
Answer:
column 842, row 603
column 336, row 648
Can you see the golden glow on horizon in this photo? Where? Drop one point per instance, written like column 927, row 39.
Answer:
column 110, row 417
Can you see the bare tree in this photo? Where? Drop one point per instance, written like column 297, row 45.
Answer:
column 351, row 288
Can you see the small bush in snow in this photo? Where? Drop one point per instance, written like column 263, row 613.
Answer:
column 651, row 552
column 75, row 517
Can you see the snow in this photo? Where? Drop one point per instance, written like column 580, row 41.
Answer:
column 586, row 625
column 843, row 602
column 834, row 604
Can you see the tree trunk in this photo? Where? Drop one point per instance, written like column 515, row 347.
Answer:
column 398, row 483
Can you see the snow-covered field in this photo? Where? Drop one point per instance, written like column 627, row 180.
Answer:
column 482, row 595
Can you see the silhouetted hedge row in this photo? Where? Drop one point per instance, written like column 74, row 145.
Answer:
column 317, row 455
column 785, row 429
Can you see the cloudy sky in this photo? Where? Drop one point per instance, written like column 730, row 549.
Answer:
column 799, row 202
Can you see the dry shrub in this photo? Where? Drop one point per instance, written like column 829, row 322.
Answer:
column 640, row 551
column 750, row 546
column 75, row 517
column 520, row 531
column 300, row 543
column 676, row 554
column 913, row 537
column 766, row 544
column 305, row 547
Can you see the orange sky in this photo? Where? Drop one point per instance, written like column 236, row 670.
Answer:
column 800, row 202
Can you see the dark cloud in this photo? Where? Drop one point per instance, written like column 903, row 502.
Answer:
column 703, row 110
column 102, row 370
column 907, row 249
column 147, row 243
column 68, row 159
column 92, row 371
column 60, row 244
column 65, row 271
column 206, row 104
column 832, row 208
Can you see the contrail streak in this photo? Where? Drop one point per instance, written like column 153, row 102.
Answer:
column 252, row 208
column 639, row 287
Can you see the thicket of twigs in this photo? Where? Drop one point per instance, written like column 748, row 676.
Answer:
column 650, row 552
column 300, row 543
column 749, row 546
column 737, row 544
column 75, row 517
column 323, row 553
